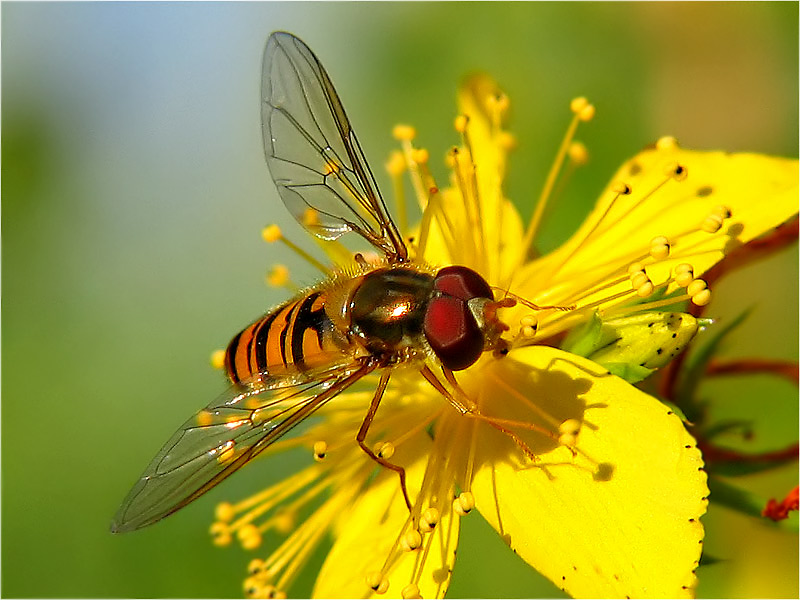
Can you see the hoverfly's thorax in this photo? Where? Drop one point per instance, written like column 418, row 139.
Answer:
column 387, row 309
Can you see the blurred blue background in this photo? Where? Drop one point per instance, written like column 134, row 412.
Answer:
column 134, row 190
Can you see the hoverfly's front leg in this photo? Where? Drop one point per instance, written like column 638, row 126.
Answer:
column 362, row 435
column 461, row 402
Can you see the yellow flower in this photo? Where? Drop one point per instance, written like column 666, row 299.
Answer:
column 594, row 483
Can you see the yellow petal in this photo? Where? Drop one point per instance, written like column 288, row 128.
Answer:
column 618, row 518
column 370, row 530
column 760, row 191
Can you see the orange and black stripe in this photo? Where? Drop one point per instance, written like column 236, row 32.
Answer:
column 298, row 334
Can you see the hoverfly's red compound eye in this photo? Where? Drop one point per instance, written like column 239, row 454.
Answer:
column 450, row 326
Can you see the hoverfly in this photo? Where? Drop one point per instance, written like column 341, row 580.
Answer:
column 297, row 357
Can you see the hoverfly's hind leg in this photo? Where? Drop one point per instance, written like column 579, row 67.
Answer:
column 362, row 435
column 461, row 402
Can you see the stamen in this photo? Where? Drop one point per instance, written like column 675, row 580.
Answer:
column 218, row 359
column 410, row 591
column 659, row 247
column 255, row 566
column 224, row 512
column 464, row 504
column 220, row 534
column 568, row 431
column 249, row 536
column 404, row 133
column 429, row 520
column 412, row 540
column 583, row 111
column 385, row 450
column 699, row 292
column 377, row 581
column 578, row 154
column 684, row 274
column 320, row 449
column 467, row 184
column 278, row 276
column 396, row 167
column 273, row 233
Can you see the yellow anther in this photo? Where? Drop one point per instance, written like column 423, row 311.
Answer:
column 498, row 103
column 224, row 512
column 567, row 439
column 464, row 504
column 697, row 286
column 722, row 211
column 578, row 153
column 684, row 278
column 310, row 217
column 412, row 540
column 254, row 566
column 396, row 165
column 278, row 276
column 667, row 143
column 385, row 450
column 284, row 522
column 251, row 586
column 249, row 536
column 320, row 449
column 527, row 332
column 450, row 160
column 218, row 359
column 460, row 123
column 420, row 156
column 702, row 298
column 639, row 279
column 571, row 426
column 528, row 321
column 578, row 104
column 220, row 534
column 377, row 581
column 204, row 418
column 410, row 591
column 586, row 113
column 683, row 268
column 429, row 519
column 506, row 141
column 271, row 233
column 659, row 247
column 404, row 133
column 634, row 268
column 645, row 290
column 677, row 171
column 267, row 591
column 621, row 188
column 712, row 223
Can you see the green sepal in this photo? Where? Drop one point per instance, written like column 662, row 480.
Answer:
column 633, row 347
column 629, row 372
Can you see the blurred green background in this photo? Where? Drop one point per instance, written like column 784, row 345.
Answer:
column 133, row 193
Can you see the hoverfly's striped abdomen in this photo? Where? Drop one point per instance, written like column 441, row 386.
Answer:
column 298, row 335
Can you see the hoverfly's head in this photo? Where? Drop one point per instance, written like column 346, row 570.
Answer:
column 461, row 319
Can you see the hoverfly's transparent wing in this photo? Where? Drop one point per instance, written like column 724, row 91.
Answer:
column 313, row 153
column 225, row 435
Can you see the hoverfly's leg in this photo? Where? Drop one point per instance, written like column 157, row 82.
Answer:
column 362, row 435
column 468, row 408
